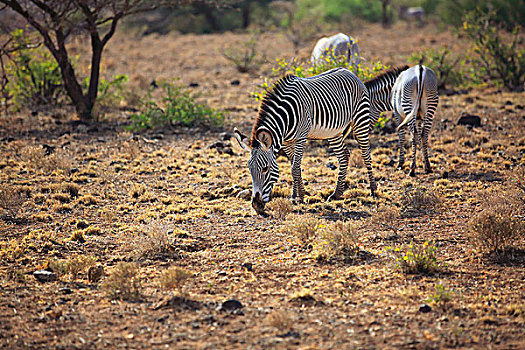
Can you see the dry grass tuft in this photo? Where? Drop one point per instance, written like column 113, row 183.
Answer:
column 153, row 242
column 304, row 227
column 280, row 319
column 174, row 278
column 11, row 199
column 500, row 225
column 73, row 266
column 420, row 200
column 123, row 283
column 281, row 207
column 338, row 240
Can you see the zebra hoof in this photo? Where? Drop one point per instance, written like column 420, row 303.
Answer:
column 428, row 170
column 412, row 173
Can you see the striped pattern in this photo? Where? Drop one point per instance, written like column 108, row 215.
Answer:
column 415, row 100
column 327, row 106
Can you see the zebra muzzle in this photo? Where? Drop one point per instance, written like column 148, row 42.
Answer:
column 258, row 204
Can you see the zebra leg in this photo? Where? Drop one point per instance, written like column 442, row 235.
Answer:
column 341, row 151
column 401, row 133
column 298, row 186
column 424, row 143
column 415, row 140
column 362, row 136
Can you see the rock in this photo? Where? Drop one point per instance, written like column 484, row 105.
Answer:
column 235, row 82
column 231, row 305
column 225, row 136
column 245, row 194
column 95, row 273
column 193, row 84
column 469, row 120
column 331, row 166
column 424, row 308
column 248, row 266
column 65, row 290
column 45, row 276
column 289, row 334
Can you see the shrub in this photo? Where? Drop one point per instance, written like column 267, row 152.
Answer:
column 420, row 200
column 499, row 225
column 72, row 266
column 340, row 239
column 174, row 277
column 123, row 283
column 35, row 76
column 418, row 258
column 153, row 242
column 386, row 217
column 281, row 207
column 11, row 199
column 280, row 319
column 441, row 295
column 305, row 228
column 443, row 63
column 244, row 55
column 498, row 54
column 176, row 108
column 306, row 69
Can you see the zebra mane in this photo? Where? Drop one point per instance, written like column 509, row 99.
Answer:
column 270, row 94
column 392, row 73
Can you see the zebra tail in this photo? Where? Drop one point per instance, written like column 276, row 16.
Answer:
column 415, row 109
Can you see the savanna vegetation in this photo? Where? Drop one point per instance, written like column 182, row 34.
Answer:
column 125, row 215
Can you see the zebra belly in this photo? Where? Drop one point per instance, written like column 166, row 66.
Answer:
column 321, row 133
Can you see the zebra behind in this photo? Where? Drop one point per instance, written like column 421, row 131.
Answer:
column 412, row 96
column 325, row 107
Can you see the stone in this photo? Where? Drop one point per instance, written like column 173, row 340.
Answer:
column 469, row 120
column 45, row 276
column 231, row 305
column 424, row 308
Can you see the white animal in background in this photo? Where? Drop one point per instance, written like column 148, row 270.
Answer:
column 413, row 14
column 336, row 46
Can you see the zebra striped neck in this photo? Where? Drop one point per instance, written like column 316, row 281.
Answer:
column 380, row 88
column 275, row 112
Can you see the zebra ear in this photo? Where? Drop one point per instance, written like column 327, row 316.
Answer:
column 265, row 138
column 241, row 139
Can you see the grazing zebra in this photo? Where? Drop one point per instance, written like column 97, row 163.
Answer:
column 412, row 95
column 324, row 107
column 335, row 46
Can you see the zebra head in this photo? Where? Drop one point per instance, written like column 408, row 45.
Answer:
column 262, row 164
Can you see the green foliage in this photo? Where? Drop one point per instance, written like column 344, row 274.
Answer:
column 177, row 107
column 441, row 296
column 418, row 258
column 112, row 92
column 34, row 76
column 307, row 69
column 443, row 63
column 498, row 54
column 336, row 10
column 509, row 13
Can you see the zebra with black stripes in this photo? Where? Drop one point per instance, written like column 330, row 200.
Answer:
column 325, row 107
column 413, row 98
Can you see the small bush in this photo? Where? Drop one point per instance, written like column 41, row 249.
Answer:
column 420, row 200
column 386, row 217
column 153, row 242
column 176, row 108
column 306, row 69
column 418, row 258
column 244, row 55
column 500, row 224
column 441, row 296
column 443, row 63
column 281, row 207
column 305, row 228
column 498, row 56
column 35, row 78
column 123, row 283
column 338, row 240
column 11, row 199
column 73, row 266
column 280, row 320
column 174, row 278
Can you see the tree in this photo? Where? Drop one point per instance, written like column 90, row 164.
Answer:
column 56, row 20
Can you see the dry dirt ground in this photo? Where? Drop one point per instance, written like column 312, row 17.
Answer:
column 98, row 195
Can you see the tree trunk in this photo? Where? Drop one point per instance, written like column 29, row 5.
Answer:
column 245, row 14
column 385, row 20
